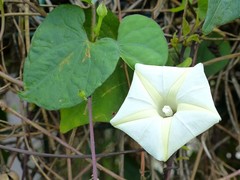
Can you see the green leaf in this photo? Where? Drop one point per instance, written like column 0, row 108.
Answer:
column 186, row 27
column 141, row 40
column 220, row 12
column 174, row 41
column 179, row 8
column 62, row 61
column 186, row 148
column 110, row 26
column 211, row 49
column 202, row 8
column 193, row 37
column 186, row 63
column 189, row 39
column 106, row 101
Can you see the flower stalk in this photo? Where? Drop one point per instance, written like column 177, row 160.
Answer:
column 101, row 12
column 92, row 141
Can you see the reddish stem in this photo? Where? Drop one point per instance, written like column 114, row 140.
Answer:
column 92, row 142
column 168, row 169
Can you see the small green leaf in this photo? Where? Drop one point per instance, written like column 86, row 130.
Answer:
column 179, row 8
column 186, row 63
column 174, row 41
column 193, row 37
column 186, row 148
column 202, row 8
column 186, row 27
column 62, row 61
column 220, row 12
column 141, row 40
column 197, row 23
column 106, row 101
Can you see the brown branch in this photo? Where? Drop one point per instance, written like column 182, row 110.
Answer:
column 218, row 59
column 234, row 174
column 83, row 156
column 11, row 79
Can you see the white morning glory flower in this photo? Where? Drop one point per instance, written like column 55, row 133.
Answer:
column 166, row 107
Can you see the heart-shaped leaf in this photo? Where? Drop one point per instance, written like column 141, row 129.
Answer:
column 62, row 61
column 106, row 101
column 141, row 40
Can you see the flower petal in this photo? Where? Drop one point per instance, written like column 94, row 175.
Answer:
column 142, row 89
column 138, row 99
column 196, row 90
column 184, row 90
column 152, row 133
column 189, row 122
column 161, row 77
column 166, row 80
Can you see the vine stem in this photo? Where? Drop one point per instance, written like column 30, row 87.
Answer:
column 92, row 141
column 168, row 169
column 93, row 22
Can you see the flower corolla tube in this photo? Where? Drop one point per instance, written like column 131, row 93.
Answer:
column 166, row 107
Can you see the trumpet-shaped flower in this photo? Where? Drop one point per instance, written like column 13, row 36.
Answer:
column 166, row 107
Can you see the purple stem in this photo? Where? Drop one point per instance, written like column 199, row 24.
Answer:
column 92, row 142
column 168, row 169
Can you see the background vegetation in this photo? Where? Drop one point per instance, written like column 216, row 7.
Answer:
column 31, row 143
